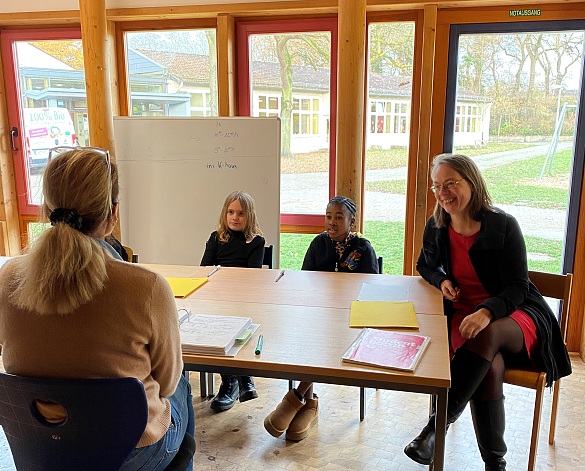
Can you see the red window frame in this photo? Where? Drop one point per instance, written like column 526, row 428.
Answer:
column 243, row 32
column 8, row 40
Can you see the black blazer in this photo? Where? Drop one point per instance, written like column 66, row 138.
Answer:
column 499, row 259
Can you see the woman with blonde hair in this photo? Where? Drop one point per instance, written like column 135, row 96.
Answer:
column 87, row 314
column 237, row 242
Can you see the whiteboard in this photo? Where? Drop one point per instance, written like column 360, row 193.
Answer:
column 175, row 174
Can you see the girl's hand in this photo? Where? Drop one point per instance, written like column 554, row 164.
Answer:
column 475, row 322
column 449, row 291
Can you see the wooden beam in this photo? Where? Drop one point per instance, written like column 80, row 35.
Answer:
column 226, row 65
column 425, row 117
column 350, row 101
column 97, row 64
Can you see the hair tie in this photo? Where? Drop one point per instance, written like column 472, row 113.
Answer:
column 68, row 216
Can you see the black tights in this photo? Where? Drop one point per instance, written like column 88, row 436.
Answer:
column 501, row 338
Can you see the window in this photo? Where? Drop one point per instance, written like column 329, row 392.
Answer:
column 390, row 72
column 287, row 69
column 172, row 73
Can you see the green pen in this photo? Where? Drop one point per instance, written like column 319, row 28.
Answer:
column 258, row 350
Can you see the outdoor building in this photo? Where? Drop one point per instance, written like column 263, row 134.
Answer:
column 177, row 84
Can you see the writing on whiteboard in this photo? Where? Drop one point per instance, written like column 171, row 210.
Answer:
column 224, row 150
column 220, row 165
column 226, row 134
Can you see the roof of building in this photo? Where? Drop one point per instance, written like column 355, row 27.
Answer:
column 194, row 69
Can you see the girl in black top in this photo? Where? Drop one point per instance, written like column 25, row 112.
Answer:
column 237, row 242
column 336, row 249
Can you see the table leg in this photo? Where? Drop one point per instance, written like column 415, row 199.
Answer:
column 203, row 383
column 440, row 427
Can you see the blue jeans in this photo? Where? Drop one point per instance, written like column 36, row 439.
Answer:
column 158, row 455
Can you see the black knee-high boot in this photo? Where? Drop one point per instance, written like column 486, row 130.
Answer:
column 467, row 372
column 489, row 423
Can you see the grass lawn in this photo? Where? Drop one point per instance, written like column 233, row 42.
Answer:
column 515, row 183
column 387, row 240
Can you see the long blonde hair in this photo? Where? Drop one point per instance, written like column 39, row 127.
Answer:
column 66, row 267
column 251, row 229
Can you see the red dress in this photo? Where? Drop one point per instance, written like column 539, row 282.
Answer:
column 472, row 293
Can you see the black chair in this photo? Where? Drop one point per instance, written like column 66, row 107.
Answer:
column 105, row 420
column 268, row 256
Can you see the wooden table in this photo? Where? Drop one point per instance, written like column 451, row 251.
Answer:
column 305, row 321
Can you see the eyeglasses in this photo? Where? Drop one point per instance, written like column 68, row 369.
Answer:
column 55, row 151
column 445, row 186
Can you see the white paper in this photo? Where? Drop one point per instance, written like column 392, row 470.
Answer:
column 212, row 335
column 375, row 292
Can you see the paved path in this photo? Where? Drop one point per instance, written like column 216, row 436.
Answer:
column 307, row 192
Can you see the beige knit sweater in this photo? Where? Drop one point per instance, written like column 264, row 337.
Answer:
column 129, row 330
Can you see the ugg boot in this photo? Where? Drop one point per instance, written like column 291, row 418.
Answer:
column 247, row 388
column 303, row 422
column 489, row 422
column 467, row 372
column 227, row 394
column 279, row 419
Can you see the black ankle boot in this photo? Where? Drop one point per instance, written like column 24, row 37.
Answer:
column 247, row 388
column 467, row 372
column 227, row 394
column 489, row 422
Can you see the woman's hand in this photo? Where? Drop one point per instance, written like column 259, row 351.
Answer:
column 449, row 291
column 475, row 322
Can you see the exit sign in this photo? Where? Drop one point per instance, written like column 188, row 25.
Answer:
column 534, row 12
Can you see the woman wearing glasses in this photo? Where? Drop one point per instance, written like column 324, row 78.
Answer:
column 475, row 254
column 88, row 314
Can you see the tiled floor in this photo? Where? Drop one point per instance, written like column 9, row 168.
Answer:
column 236, row 439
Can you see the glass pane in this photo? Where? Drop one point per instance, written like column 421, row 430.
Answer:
column 172, row 73
column 391, row 47
column 520, row 96
column 52, row 100
column 306, row 58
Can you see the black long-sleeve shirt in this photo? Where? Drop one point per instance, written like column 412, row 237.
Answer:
column 236, row 252
column 358, row 256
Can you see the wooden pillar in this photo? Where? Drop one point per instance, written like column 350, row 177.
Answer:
column 10, row 243
column 425, row 115
column 97, row 63
column 350, row 101
column 226, row 65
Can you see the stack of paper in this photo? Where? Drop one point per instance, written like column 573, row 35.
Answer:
column 213, row 335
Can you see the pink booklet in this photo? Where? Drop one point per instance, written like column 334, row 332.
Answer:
column 387, row 349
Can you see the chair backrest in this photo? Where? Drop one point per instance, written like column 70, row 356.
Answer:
column 268, row 256
column 132, row 257
column 557, row 286
column 380, row 265
column 105, row 420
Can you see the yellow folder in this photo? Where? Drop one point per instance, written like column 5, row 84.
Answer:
column 183, row 287
column 383, row 314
